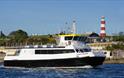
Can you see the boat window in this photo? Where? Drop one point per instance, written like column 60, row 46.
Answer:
column 72, row 38
column 83, row 38
column 76, row 38
column 79, row 38
column 68, row 38
column 86, row 50
column 77, row 50
column 53, row 51
column 83, row 50
column 17, row 52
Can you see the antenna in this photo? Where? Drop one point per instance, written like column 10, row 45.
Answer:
column 73, row 29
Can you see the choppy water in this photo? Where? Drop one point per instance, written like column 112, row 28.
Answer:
column 105, row 71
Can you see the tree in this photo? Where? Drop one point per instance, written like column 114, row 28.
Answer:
column 18, row 37
column 121, row 33
column 2, row 35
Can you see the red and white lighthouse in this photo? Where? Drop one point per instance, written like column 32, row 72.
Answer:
column 102, row 31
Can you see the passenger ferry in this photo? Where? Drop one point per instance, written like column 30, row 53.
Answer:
column 71, row 51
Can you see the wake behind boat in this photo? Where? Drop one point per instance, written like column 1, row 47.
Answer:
column 71, row 51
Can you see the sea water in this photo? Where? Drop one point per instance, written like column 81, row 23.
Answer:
column 104, row 71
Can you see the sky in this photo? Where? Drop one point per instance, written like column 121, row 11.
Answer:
column 50, row 16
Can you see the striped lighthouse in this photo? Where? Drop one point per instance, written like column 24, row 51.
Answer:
column 102, row 31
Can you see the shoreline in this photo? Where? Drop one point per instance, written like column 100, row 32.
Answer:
column 114, row 61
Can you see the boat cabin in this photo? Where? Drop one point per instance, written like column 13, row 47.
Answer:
column 68, row 39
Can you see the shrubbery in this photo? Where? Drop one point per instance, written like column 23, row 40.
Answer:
column 20, row 38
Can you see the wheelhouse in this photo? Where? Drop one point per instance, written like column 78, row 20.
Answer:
column 64, row 40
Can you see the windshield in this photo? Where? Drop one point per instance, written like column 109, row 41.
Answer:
column 68, row 38
column 83, row 50
column 76, row 38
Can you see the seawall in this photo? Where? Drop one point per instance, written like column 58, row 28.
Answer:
column 114, row 61
column 2, row 57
